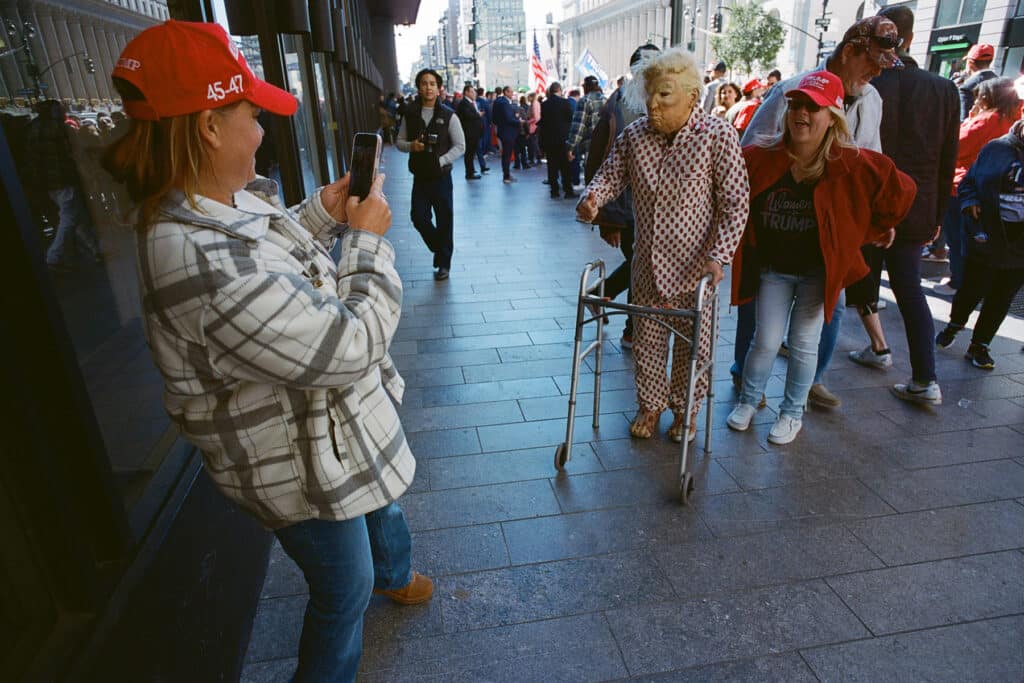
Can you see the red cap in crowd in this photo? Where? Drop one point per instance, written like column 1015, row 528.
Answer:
column 823, row 87
column 982, row 52
column 183, row 67
column 751, row 85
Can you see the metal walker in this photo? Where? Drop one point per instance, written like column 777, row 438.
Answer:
column 704, row 313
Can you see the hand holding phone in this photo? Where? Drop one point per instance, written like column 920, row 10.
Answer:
column 365, row 162
column 371, row 214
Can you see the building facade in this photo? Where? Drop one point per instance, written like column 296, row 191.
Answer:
column 121, row 561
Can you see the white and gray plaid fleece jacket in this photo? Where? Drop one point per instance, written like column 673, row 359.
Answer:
column 274, row 359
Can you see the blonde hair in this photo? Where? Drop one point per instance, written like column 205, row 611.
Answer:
column 676, row 62
column 155, row 157
column 837, row 135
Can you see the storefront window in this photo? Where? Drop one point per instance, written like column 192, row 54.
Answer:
column 59, row 113
column 329, row 125
column 954, row 12
column 303, row 87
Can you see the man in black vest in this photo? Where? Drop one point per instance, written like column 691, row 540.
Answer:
column 433, row 137
column 472, row 127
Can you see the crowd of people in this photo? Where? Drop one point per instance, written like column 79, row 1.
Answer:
column 275, row 356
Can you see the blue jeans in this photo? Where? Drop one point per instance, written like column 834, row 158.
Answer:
column 435, row 196
column 953, row 231
column 342, row 562
column 745, row 321
column 796, row 302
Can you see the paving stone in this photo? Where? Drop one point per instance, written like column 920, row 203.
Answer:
column 430, row 377
column 403, row 348
column 601, row 531
column 949, row 532
column 802, row 505
column 570, row 649
column 652, row 485
column 455, row 359
column 495, row 372
column 544, row 302
column 565, row 335
column 508, row 327
column 982, row 651
column 618, row 379
column 479, row 505
column 489, row 341
column 505, row 466
column 554, row 589
column 523, row 314
column 443, row 443
column 478, row 547
column 671, row 635
column 451, row 316
column 950, row 417
column 935, row 593
column 409, row 333
column 421, row 481
column 765, row 470
column 450, row 417
column 950, row 448
column 617, row 401
column 270, row 671
column 788, row 668
column 283, row 576
column 560, row 352
column 551, row 432
column 730, row 564
column 952, row 485
column 480, row 392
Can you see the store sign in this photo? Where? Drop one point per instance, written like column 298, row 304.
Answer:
column 955, row 38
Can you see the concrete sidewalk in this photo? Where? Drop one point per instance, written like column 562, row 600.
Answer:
column 885, row 543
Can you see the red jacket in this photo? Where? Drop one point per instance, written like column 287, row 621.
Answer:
column 975, row 133
column 860, row 196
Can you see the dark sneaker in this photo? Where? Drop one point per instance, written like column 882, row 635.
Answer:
column 441, row 274
column 947, row 335
column 980, row 357
column 571, row 195
column 627, row 340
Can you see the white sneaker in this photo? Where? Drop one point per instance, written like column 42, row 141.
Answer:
column 944, row 289
column 740, row 417
column 784, row 430
column 869, row 358
column 919, row 393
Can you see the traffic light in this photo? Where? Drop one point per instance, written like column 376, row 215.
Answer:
column 716, row 22
column 90, row 66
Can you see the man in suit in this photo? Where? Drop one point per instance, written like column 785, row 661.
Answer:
column 472, row 126
column 555, row 121
column 507, row 123
column 920, row 133
column 483, row 105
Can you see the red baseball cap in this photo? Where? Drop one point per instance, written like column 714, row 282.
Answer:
column 823, row 87
column 983, row 52
column 182, row 67
column 751, row 85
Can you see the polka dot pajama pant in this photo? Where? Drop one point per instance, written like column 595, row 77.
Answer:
column 655, row 390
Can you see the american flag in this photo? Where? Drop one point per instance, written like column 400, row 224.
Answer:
column 540, row 74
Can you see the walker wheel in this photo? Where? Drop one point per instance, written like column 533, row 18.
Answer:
column 560, row 456
column 685, row 488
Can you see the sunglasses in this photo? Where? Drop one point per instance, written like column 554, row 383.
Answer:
column 795, row 104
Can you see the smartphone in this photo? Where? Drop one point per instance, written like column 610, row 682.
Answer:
column 365, row 161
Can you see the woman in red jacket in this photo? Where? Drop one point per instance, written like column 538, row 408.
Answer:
column 815, row 200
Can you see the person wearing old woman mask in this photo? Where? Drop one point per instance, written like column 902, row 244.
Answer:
column 815, row 200
column 275, row 359
column 690, row 200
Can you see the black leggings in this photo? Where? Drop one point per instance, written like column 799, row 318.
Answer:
column 996, row 286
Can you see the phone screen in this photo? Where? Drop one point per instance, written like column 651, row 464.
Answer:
column 365, row 148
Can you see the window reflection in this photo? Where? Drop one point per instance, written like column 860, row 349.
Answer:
column 59, row 114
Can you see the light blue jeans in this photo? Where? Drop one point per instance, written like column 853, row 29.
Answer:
column 343, row 561
column 777, row 294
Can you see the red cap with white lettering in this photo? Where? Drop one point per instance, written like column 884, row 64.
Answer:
column 181, row 67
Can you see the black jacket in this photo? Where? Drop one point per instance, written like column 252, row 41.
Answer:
column 469, row 117
column 920, row 132
column 999, row 166
column 555, row 121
